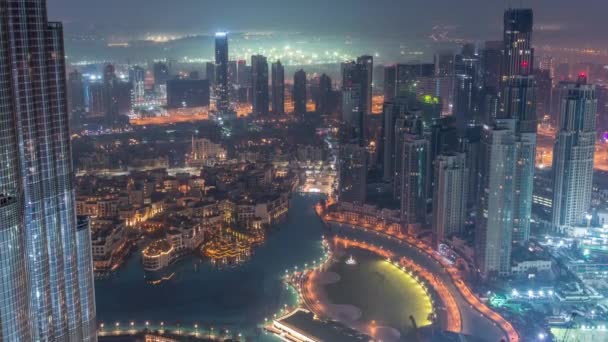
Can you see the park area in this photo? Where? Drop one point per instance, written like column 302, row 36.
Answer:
column 380, row 294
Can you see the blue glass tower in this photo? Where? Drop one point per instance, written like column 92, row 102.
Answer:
column 40, row 296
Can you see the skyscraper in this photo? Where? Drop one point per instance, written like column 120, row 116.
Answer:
column 259, row 79
column 278, row 88
column 137, row 76
column 518, row 55
column 367, row 64
column 518, row 102
column 42, row 296
column 573, row 154
column 466, row 68
column 415, row 169
column 356, row 76
column 299, row 92
column 324, row 100
column 76, row 93
column 352, row 172
column 161, row 73
column 392, row 110
column 390, row 81
column 520, row 105
column 451, row 177
column 221, row 72
column 494, row 226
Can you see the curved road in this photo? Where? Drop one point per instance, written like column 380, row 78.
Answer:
column 474, row 323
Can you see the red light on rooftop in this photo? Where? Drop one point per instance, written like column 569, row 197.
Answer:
column 582, row 74
column 524, row 64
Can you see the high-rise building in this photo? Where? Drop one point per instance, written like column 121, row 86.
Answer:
column 520, row 105
column 325, row 96
column 161, row 73
column 466, row 80
column 415, row 185
column 518, row 55
column 494, row 228
column 367, row 64
column 259, row 79
column 299, row 92
column 117, row 96
column 232, row 74
column 445, row 77
column 470, row 144
column 137, row 77
column 356, row 77
column 221, row 72
column 405, row 125
column 352, row 171
column 187, row 93
column 391, row 111
column 544, row 87
column 492, row 64
column 517, row 101
column 573, row 154
column 42, row 295
column 210, row 72
column 278, row 88
column 353, row 118
column 76, row 94
column 96, row 95
column 390, row 81
column 450, row 191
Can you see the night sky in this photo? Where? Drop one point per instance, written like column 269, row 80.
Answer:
column 579, row 20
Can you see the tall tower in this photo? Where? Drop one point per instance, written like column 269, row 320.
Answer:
column 518, row 55
column 573, row 153
column 278, row 88
column 352, row 171
column 494, row 228
column 324, row 98
column 259, row 78
column 299, row 92
column 221, row 72
column 450, row 194
column 518, row 102
column 356, row 78
column 415, row 168
column 367, row 65
column 42, row 296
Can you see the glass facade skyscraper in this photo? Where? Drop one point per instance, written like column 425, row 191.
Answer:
column 40, row 296
column 221, row 71
column 278, row 88
column 573, row 154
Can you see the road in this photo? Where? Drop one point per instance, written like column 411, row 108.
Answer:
column 477, row 319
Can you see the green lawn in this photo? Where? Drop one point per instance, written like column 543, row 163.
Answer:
column 578, row 335
column 383, row 292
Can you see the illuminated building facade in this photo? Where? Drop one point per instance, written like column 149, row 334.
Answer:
column 415, row 179
column 259, row 78
column 352, row 169
column 299, row 92
column 42, row 287
column 449, row 194
column 573, row 154
column 278, row 88
column 221, row 72
column 494, row 227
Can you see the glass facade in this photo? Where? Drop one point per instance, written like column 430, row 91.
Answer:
column 39, row 264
